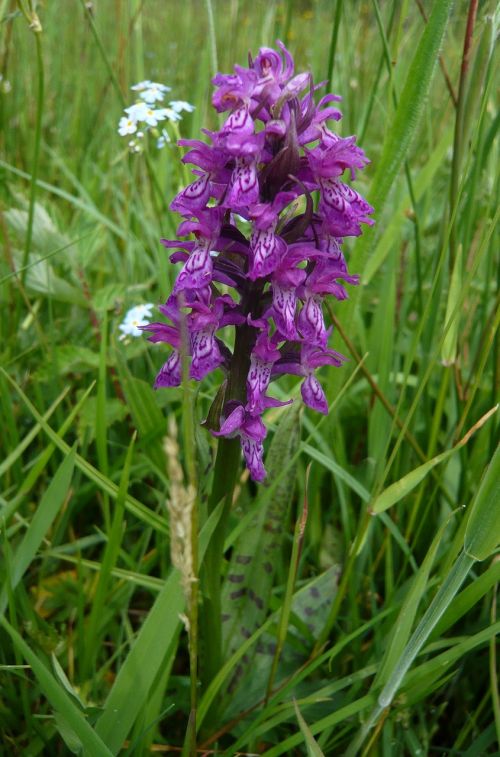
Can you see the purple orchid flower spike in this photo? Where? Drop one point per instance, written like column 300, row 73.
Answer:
column 256, row 233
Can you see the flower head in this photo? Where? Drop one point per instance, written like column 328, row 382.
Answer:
column 250, row 210
column 147, row 113
column 135, row 318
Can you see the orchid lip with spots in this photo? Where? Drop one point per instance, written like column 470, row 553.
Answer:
column 261, row 171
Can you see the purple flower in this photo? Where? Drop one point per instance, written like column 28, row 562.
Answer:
column 252, row 432
column 262, row 359
column 251, row 212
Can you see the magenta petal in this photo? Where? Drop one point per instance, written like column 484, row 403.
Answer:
column 244, row 186
column 273, row 402
column 232, row 423
column 266, row 250
column 311, row 323
column 195, row 195
column 240, row 122
column 206, row 353
column 313, row 394
column 284, row 307
column 253, row 453
column 197, row 272
column 170, row 373
column 259, row 376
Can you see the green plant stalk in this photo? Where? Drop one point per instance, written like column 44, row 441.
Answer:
column 493, row 667
column 36, row 151
column 192, row 477
column 411, row 192
column 224, row 480
column 459, row 129
column 212, row 36
column 333, row 42
column 431, row 449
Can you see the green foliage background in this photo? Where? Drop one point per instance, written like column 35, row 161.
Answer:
column 93, row 657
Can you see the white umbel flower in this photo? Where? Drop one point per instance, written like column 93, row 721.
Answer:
column 179, row 105
column 127, row 125
column 135, row 317
column 154, row 93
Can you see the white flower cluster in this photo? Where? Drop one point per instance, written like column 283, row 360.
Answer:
column 144, row 115
column 135, row 317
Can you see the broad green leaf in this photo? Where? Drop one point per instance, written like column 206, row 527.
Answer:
column 41, row 278
column 400, row 489
column 41, row 522
column 153, row 646
column 482, row 535
column 90, row 742
column 136, row 676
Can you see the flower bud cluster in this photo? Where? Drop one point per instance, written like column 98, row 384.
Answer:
column 264, row 254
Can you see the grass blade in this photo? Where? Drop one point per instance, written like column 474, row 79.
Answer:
column 58, row 698
column 43, row 518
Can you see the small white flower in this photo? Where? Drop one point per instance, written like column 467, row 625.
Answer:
column 154, row 93
column 141, row 85
column 135, row 317
column 150, row 116
column 137, row 112
column 179, row 105
column 169, row 113
column 127, row 126
column 163, row 139
column 147, row 84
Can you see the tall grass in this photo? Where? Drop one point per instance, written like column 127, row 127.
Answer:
column 376, row 631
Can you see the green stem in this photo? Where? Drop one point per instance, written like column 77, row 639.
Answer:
column 225, row 475
column 459, row 130
column 333, row 42
column 36, row 152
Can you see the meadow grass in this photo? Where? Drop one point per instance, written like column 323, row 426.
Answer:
column 377, row 633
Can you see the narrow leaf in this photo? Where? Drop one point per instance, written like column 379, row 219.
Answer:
column 395, row 492
column 58, row 698
column 43, row 518
column 313, row 749
column 452, row 318
column 483, row 528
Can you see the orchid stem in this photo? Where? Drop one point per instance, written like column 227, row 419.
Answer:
column 226, row 469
